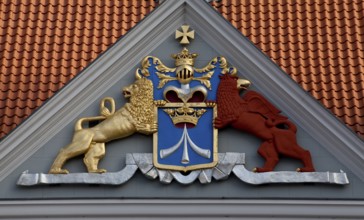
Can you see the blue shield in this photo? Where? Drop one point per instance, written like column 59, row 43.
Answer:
column 186, row 139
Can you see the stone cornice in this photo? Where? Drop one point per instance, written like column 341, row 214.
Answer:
column 182, row 209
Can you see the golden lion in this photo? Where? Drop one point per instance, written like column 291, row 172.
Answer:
column 136, row 116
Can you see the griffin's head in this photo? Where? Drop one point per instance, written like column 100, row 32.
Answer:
column 243, row 84
column 232, row 80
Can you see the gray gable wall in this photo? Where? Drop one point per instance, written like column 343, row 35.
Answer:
column 34, row 144
column 139, row 186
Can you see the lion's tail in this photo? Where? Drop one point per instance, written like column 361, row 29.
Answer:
column 78, row 125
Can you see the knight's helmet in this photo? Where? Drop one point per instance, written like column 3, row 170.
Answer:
column 184, row 63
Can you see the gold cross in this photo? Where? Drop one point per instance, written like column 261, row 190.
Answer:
column 185, row 34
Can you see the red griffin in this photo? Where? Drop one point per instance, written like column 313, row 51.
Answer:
column 253, row 114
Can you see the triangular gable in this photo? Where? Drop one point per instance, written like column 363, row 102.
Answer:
column 239, row 50
column 127, row 53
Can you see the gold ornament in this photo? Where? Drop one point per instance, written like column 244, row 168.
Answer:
column 185, row 114
column 185, row 34
column 136, row 116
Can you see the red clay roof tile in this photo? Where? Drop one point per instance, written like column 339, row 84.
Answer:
column 44, row 44
column 318, row 43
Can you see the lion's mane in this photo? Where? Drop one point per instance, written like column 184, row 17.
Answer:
column 141, row 103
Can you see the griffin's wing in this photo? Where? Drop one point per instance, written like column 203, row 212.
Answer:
column 258, row 104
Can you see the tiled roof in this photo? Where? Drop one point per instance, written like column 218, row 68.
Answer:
column 44, row 44
column 319, row 43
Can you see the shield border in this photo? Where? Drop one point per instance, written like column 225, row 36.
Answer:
column 192, row 167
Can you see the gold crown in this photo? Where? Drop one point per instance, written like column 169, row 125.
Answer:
column 184, row 57
column 185, row 115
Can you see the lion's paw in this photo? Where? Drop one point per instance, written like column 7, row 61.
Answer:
column 154, row 127
column 98, row 171
column 58, row 171
column 147, row 128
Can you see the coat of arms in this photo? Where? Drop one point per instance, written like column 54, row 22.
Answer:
column 186, row 110
column 183, row 107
